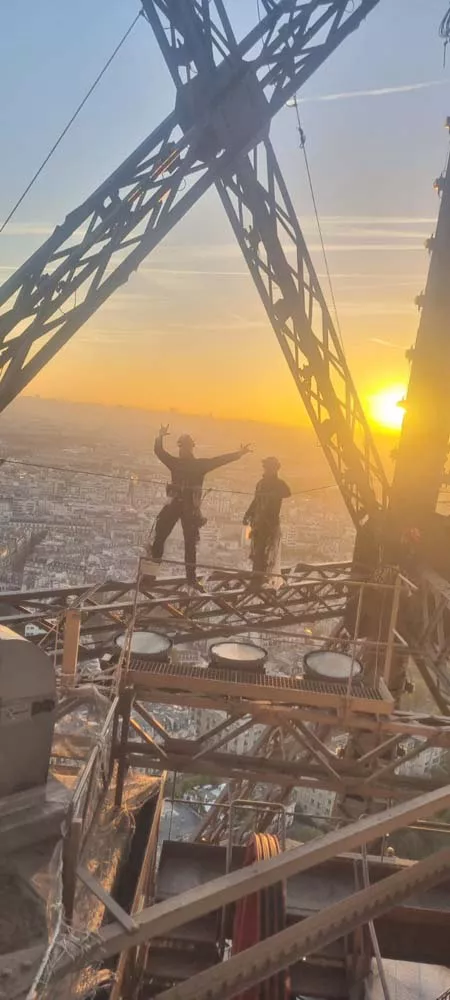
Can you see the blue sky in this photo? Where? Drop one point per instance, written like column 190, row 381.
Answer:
column 373, row 159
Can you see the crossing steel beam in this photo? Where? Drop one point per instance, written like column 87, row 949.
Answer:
column 310, row 593
column 162, row 918
column 282, row 950
column 347, row 779
column 228, row 91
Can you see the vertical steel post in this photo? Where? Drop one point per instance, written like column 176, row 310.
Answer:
column 125, row 706
column 426, row 428
column 392, row 627
column 72, row 627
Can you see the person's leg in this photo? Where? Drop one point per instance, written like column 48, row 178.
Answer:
column 259, row 557
column 191, row 532
column 165, row 523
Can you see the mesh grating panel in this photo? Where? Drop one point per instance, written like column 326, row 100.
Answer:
column 358, row 689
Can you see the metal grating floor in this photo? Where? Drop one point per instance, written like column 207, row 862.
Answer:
column 258, row 680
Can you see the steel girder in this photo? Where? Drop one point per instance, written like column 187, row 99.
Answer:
column 162, row 918
column 285, row 775
column 255, row 197
column 266, row 226
column 228, row 606
column 426, row 425
column 293, row 750
column 276, row 953
column 103, row 241
column 425, row 627
column 310, row 593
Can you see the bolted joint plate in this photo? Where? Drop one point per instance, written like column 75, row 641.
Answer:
column 231, row 103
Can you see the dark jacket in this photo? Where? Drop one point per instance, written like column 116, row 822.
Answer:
column 188, row 473
column 265, row 507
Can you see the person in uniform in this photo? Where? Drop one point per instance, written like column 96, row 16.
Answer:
column 185, row 497
column 263, row 516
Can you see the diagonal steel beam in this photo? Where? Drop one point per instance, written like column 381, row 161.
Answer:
column 256, row 200
column 276, row 953
column 101, row 243
column 159, row 920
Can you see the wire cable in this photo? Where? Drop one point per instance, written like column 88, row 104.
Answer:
column 302, row 137
column 69, row 123
column 138, row 480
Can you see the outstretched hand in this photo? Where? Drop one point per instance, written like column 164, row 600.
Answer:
column 245, row 448
column 164, row 430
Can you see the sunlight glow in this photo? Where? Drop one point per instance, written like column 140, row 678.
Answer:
column 385, row 409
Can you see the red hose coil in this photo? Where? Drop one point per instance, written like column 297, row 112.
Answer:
column 259, row 916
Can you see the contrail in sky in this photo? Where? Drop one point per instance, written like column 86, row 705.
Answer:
column 386, row 343
column 405, row 88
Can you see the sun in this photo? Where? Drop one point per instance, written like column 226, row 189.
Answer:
column 385, row 409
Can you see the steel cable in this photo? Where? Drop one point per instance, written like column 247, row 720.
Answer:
column 69, row 124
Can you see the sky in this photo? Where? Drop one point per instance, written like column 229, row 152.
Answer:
column 188, row 331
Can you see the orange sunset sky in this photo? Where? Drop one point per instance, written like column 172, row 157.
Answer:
column 188, row 331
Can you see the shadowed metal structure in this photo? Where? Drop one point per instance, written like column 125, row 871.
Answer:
column 227, row 95
column 227, row 92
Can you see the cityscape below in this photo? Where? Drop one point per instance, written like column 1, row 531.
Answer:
column 81, row 488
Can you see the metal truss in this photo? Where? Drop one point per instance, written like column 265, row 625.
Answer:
column 228, row 605
column 256, row 200
column 426, row 426
column 289, row 754
column 425, row 626
column 265, row 224
column 283, row 949
column 228, row 92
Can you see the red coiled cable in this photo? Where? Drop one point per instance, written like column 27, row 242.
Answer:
column 259, row 916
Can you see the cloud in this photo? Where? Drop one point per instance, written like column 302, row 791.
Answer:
column 362, row 247
column 177, row 272
column 28, row 229
column 386, row 343
column 405, row 88
column 378, row 308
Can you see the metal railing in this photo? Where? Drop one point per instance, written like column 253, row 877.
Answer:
column 90, row 791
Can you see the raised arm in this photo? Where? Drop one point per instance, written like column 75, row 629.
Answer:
column 160, row 451
column 209, row 464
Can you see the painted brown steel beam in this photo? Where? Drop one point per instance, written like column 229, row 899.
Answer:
column 278, row 952
column 310, row 593
column 159, row 920
column 401, row 724
column 271, row 770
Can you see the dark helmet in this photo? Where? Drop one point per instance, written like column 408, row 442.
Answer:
column 271, row 464
column 186, row 440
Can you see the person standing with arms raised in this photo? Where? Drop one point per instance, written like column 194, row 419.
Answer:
column 185, row 497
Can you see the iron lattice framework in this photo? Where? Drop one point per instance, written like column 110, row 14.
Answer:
column 228, row 605
column 257, row 963
column 310, row 594
column 227, row 95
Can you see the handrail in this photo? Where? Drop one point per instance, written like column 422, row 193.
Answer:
column 82, row 809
